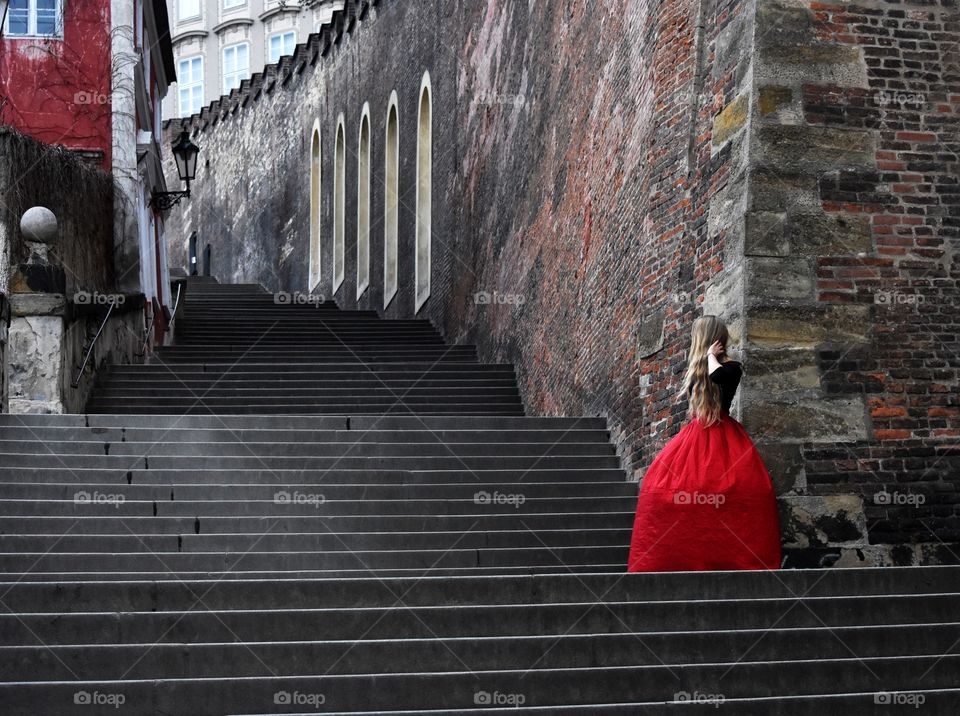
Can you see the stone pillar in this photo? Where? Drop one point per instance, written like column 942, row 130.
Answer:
column 786, row 230
column 35, row 362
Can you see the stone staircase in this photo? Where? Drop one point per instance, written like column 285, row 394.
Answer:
column 298, row 509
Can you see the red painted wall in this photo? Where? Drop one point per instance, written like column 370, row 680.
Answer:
column 59, row 90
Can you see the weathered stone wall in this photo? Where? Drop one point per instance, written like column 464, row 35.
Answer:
column 853, row 307
column 574, row 180
column 55, row 312
column 609, row 171
column 37, row 174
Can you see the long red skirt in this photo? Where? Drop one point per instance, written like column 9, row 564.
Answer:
column 706, row 502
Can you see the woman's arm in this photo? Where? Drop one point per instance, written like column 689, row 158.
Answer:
column 712, row 352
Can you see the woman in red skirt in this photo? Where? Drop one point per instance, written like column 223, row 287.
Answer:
column 706, row 501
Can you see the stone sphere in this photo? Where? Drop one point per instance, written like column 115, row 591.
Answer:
column 39, row 224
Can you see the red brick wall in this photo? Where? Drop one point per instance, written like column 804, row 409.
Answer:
column 909, row 371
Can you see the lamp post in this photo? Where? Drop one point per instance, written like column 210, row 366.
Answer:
column 185, row 154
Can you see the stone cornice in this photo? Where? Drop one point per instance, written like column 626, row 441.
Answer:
column 231, row 22
column 187, row 35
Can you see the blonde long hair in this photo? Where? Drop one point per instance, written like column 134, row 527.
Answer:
column 706, row 398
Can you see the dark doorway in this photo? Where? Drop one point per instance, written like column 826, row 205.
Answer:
column 206, row 260
column 193, row 254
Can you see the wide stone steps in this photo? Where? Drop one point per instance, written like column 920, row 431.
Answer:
column 313, row 541
column 298, row 509
column 247, row 659
column 382, row 693
column 283, row 523
column 299, row 449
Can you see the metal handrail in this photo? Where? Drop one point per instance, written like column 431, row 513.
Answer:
column 176, row 304
column 146, row 336
column 93, row 343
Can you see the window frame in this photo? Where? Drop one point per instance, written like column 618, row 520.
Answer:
column 364, row 203
column 391, row 213
column 182, row 87
column 181, row 18
column 423, row 242
column 281, row 34
column 32, row 17
column 223, row 60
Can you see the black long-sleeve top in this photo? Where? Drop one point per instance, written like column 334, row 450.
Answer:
column 727, row 376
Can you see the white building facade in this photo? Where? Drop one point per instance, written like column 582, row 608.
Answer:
column 219, row 43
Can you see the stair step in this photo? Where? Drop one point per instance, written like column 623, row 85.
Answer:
column 297, row 508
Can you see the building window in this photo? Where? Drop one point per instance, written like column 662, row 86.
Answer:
column 33, row 18
column 190, row 83
column 363, row 202
column 424, row 192
column 281, row 45
column 391, row 202
column 236, row 65
column 188, row 10
column 230, row 4
column 315, row 193
column 339, row 203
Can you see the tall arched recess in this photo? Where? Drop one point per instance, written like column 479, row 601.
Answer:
column 315, row 179
column 339, row 203
column 424, row 191
column 363, row 202
column 391, row 201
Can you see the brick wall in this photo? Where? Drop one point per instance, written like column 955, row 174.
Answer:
column 912, row 201
column 608, row 171
column 868, row 223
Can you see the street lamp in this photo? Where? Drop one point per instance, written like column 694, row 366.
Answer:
column 185, row 154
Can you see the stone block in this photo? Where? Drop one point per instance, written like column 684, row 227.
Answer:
column 38, row 304
column 774, row 189
column 776, row 279
column 35, row 364
column 774, row 371
column 784, row 462
column 650, row 339
column 823, row 64
column 731, row 119
column 822, row 521
column 723, row 294
column 808, row 325
column 765, row 234
column 817, row 233
column 806, row 416
column 772, row 98
column 792, row 149
column 780, row 23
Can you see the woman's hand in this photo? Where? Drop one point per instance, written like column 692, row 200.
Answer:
column 716, row 349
